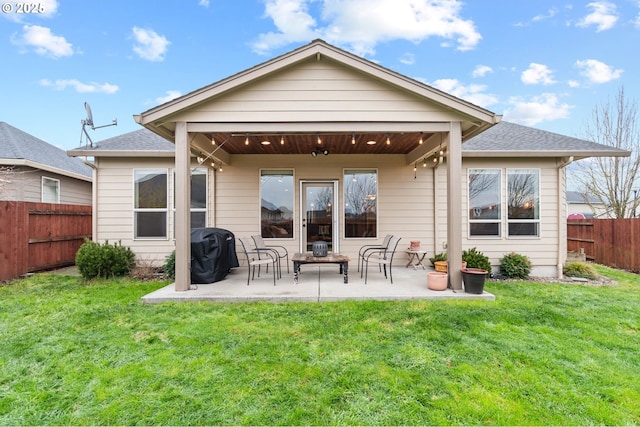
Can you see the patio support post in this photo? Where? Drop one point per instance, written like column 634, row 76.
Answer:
column 183, row 205
column 454, row 204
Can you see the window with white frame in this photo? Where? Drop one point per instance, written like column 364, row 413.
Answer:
column 523, row 204
column 276, row 203
column 360, row 203
column 50, row 190
column 150, row 207
column 485, row 217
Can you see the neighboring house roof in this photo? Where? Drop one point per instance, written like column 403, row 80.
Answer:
column 578, row 197
column 141, row 142
column 22, row 149
column 512, row 140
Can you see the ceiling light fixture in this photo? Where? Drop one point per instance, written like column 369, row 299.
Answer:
column 265, row 142
column 372, row 142
column 317, row 151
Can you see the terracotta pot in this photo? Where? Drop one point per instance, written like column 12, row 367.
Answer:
column 437, row 281
column 473, row 279
column 441, row 266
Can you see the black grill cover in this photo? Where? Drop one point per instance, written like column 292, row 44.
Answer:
column 213, row 254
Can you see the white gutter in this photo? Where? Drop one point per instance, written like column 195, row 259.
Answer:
column 562, row 217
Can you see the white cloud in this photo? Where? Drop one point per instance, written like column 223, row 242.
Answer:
column 597, row 72
column 362, row 24
column 573, row 83
column 537, row 74
column 473, row 93
column 170, row 94
column 204, row 3
column 149, row 44
column 80, row 87
column 44, row 42
column 545, row 107
column 481, row 71
column 408, row 59
column 604, row 16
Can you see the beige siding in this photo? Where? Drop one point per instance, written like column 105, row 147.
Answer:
column 315, row 89
column 27, row 187
column 543, row 250
column 405, row 204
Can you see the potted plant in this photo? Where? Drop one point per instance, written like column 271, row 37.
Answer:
column 439, row 262
column 474, row 275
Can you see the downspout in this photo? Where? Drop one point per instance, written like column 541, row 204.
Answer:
column 436, row 195
column 94, row 198
column 562, row 237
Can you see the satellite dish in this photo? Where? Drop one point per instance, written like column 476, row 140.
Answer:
column 89, row 122
column 89, row 119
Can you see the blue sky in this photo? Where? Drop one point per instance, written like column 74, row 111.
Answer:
column 541, row 63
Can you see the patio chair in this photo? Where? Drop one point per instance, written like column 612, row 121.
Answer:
column 382, row 259
column 279, row 251
column 257, row 257
column 367, row 249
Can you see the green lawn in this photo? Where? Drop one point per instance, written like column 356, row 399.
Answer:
column 544, row 354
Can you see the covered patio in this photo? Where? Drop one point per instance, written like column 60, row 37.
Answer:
column 317, row 283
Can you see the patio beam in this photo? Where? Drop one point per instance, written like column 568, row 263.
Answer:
column 454, row 204
column 183, row 208
column 306, row 127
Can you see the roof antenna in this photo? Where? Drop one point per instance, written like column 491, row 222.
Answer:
column 89, row 122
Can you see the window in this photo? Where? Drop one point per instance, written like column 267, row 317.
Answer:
column 276, row 203
column 198, row 198
column 523, row 186
column 150, row 203
column 485, row 218
column 50, row 190
column 360, row 203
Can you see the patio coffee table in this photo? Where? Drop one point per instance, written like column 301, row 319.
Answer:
column 308, row 258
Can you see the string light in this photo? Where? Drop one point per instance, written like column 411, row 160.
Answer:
column 281, row 139
column 353, row 139
column 213, row 140
column 420, row 142
column 388, row 140
column 246, row 141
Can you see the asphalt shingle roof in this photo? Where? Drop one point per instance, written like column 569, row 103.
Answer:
column 19, row 145
column 506, row 136
column 138, row 140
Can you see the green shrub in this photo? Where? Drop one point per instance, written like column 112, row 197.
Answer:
column 580, row 269
column 476, row 259
column 442, row 256
column 106, row 260
column 515, row 266
column 169, row 267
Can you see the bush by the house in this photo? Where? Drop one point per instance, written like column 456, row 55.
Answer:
column 169, row 267
column 515, row 266
column 580, row 269
column 106, row 260
column 476, row 259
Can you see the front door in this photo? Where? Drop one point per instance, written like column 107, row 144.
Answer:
column 318, row 214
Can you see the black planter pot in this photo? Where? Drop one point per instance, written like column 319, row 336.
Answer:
column 473, row 279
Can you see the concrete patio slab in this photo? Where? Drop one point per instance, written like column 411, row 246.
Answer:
column 316, row 283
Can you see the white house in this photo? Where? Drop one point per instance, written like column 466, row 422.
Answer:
column 319, row 142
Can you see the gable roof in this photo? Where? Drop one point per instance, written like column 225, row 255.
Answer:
column 512, row 140
column 20, row 148
column 139, row 143
column 475, row 119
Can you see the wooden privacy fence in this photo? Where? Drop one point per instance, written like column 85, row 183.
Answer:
column 40, row 236
column 612, row 242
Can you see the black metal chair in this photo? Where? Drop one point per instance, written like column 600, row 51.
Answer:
column 279, row 251
column 383, row 259
column 367, row 249
column 257, row 257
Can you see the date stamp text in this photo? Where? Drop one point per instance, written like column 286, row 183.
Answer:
column 23, row 8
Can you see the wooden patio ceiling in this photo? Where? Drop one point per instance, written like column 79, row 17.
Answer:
column 335, row 143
